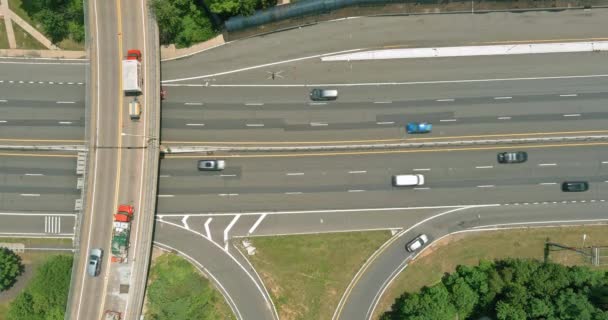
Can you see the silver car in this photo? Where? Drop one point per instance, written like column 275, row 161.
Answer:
column 417, row 243
column 211, row 165
column 94, row 265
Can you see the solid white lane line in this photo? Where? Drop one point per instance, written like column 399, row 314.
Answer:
column 484, row 167
column 293, row 192
column 486, row 186
column 185, row 222
column 195, row 124
column 254, row 104
column 422, row 188
column 547, row 183
column 504, row 118
column 502, row 98
column 382, row 102
column 257, row 223
column 295, row 173
column 207, row 231
column 356, row 190
column 318, row 124
column 227, row 175
column 34, row 174
column 255, row 124
column 358, row 171
column 228, row 229
column 65, row 122
column 385, row 122
column 546, row 164
column 317, row 103
column 444, row 100
column 65, row 102
column 447, row 120
column 30, row 195
column 572, row 115
column 166, row 196
column 568, row 95
column 423, row 169
column 193, row 103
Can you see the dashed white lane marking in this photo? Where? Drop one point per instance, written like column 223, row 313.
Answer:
column 30, row 194
column 293, row 192
column 65, row 122
column 358, row 171
column 227, row 175
column 193, row 103
column 254, row 104
column 604, row 162
column 606, row 181
column 447, row 120
column 195, row 124
column 164, row 176
column 257, row 223
column 228, row 194
column 484, row 167
column 547, row 183
column 423, row 169
column 356, row 190
column 385, row 122
column 166, row 196
column 295, row 173
column 502, row 98
column 572, row 115
column 486, row 186
column 65, row 102
column 422, row 188
column 207, row 231
column 382, row 102
column 3, row 100
column 317, row 103
column 568, row 95
column 504, row 118
column 547, row 164
column 3, row 121
column 228, row 229
column 318, row 124
column 34, row 174
column 255, row 124
column 444, row 100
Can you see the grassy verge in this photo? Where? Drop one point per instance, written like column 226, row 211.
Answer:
column 469, row 248
column 25, row 40
column 32, row 260
column 3, row 36
column 307, row 275
column 178, row 291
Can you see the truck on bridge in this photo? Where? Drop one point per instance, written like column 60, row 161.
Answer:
column 132, row 79
column 121, row 231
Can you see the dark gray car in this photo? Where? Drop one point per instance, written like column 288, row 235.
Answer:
column 575, row 186
column 512, row 157
column 94, row 266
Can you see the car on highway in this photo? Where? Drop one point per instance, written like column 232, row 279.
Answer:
column 512, row 157
column 418, row 127
column 575, row 186
column 408, row 180
column 323, row 94
column 211, row 165
column 417, row 243
column 94, row 265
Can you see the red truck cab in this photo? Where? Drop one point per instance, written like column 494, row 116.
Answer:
column 124, row 213
column 134, row 54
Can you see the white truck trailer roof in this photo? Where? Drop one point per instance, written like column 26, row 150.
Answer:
column 130, row 76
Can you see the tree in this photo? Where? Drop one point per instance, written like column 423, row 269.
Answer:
column 10, row 268
column 60, row 19
column 181, row 22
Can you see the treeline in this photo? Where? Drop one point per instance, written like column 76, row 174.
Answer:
column 59, row 19
column 510, row 289
column 186, row 22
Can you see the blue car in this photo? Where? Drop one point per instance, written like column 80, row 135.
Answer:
column 418, row 127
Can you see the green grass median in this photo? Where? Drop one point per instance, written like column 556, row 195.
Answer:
column 306, row 275
column 469, row 248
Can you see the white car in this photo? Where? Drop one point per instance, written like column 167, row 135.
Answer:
column 417, row 243
column 211, row 165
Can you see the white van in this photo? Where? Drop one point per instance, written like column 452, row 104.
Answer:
column 134, row 110
column 408, row 180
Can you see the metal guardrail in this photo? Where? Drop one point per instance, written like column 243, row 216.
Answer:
column 71, row 148
column 406, row 145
